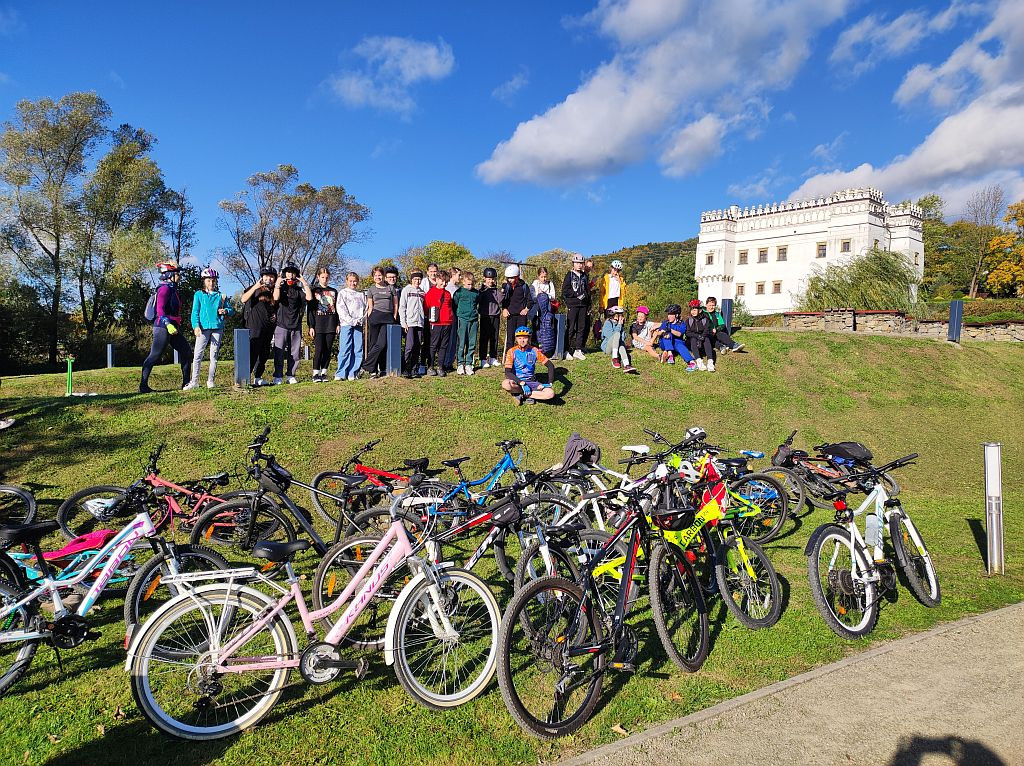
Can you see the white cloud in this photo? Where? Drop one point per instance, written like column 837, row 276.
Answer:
column 694, row 145
column 117, row 79
column 980, row 88
column 760, row 186
column 391, row 66
column 508, row 89
column 9, row 22
column 674, row 62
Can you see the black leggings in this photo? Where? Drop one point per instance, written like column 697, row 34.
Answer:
column 161, row 339
column 489, row 336
column 378, row 339
column 259, row 353
column 575, row 329
column 323, row 345
column 700, row 346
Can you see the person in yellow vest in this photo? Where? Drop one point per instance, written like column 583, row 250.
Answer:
column 611, row 291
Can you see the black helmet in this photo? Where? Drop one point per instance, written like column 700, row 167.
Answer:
column 674, row 308
column 268, row 271
column 490, row 273
column 673, row 521
column 291, row 267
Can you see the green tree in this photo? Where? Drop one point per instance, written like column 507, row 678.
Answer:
column 877, row 280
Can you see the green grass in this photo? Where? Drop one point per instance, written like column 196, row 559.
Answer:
column 896, row 395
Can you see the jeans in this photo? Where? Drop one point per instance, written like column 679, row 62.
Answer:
column 211, row 338
column 259, row 353
column 617, row 347
column 466, row 340
column 350, row 350
column 290, row 340
column 575, row 329
column 161, row 339
column 676, row 346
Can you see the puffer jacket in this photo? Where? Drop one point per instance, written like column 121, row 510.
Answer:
column 545, row 324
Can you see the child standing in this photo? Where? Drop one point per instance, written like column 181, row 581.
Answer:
column 545, row 323
column 322, row 320
column 209, row 307
column 438, row 304
column 670, row 338
column 698, row 337
column 613, row 339
column 489, row 306
column 351, row 313
column 465, row 301
column 410, row 316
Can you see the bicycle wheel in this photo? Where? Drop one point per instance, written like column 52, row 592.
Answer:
column 11, row 573
column 510, row 546
column 814, row 487
column 173, row 672
column 918, row 566
column 147, row 592
column 748, row 582
column 608, row 574
column 677, row 605
column 444, row 671
column 15, row 656
column 329, row 509
column 759, row 506
column 531, row 565
column 376, row 521
column 848, row 606
column 225, row 527
column 568, row 488
column 336, row 570
column 91, row 509
column 792, row 483
column 702, row 547
column 17, row 505
column 547, row 692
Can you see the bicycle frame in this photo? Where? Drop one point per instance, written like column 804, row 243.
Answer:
column 875, row 502
column 489, row 481
column 114, row 552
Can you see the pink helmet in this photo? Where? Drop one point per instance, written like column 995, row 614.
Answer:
column 643, row 310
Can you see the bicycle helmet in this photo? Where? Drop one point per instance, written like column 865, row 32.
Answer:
column 512, row 271
column 696, row 433
column 577, row 258
column 617, row 265
column 167, row 267
column 674, row 308
column 210, row 274
column 673, row 520
column 292, row 268
column 268, row 271
column 695, row 304
column 643, row 310
column 688, row 472
column 523, row 331
column 490, row 273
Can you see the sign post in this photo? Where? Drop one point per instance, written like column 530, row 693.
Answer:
column 727, row 314
column 242, row 361
column 956, row 320
column 110, row 355
column 393, row 355
column 994, row 506
column 559, row 336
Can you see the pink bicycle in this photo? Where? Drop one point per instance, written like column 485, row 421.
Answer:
column 214, row 662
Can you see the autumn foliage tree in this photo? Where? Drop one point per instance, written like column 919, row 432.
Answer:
column 1007, row 278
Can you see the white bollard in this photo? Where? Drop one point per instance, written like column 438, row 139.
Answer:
column 994, row 506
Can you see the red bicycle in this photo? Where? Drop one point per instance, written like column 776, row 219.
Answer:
column 94, row 508
column 381, row 483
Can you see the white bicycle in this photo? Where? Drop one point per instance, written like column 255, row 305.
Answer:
column 850, row 573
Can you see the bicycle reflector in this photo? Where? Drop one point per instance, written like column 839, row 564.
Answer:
column 691, row 557
column 839, row 505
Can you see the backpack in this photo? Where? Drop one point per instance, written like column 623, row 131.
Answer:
column 150, row 312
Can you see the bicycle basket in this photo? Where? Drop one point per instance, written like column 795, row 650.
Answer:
column 854, row 451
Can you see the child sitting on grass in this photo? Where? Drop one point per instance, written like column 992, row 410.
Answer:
column 613, row 339
column 670, row 338
column 521, row 371
column 698, row 337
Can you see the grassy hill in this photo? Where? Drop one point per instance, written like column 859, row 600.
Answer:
column 897, row 395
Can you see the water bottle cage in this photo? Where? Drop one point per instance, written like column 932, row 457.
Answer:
column 844, row 516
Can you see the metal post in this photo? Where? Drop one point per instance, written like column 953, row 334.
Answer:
column 727, row 314
column 994, row 506
column 71, row 361
column 393, row 353
column 242, row 361
column 559, row 336
column 305, row 352
column 956, row 319
column 110, row 355
column 176, row 357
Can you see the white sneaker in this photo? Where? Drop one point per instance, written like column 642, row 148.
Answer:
column 469, row 370
column 461, row 370
column 351, row 377
column 278, row 381
column 210, row 384
column 700, row 365
column 494, row 362
column 711, row 366
column 259, row 382
column 292, row 380
column 485, row 364
column 577, row 354
column 189, row 387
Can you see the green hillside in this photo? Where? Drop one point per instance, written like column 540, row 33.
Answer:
column 896, row 395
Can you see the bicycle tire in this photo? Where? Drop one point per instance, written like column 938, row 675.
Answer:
column 825, row 597
column 147, row 651
column 790, row 479
column 17, row 505
column 484, row 636
column 328, row 509
column 74, row 519
column 770, row 496
column 542, row 594
column 814, row 487
column 377, row 521
column 675, row 596
column 919, row 568
column 217, row 527
column 530, row 565
column 11, row 573
column 747, row 597
column 16, row 658
column 540, row 505
column 139, row 602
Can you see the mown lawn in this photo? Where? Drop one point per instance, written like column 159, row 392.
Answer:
column 896, row 395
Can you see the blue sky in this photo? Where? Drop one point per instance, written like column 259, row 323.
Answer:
column 525, row 126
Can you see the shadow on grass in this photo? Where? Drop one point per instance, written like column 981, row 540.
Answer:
column 980, row 539
column 136, row 742
column 956, row 750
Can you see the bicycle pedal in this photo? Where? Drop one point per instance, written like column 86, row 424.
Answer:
column 92, row 635
column 622, row 667
column 362, row 668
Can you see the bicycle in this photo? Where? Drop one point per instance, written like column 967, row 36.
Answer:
column 17, row 505
column 850, row 573
column 557, row 639
column 215, row 661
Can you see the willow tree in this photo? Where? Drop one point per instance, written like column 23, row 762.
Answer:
column 877, row 280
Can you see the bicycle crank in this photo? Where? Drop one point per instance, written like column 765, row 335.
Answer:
column 321, row 663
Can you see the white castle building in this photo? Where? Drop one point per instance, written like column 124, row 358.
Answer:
column 764, row 255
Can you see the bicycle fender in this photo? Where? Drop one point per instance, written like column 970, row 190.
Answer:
column 813, row 539
column 196, row 593
column 392, row 629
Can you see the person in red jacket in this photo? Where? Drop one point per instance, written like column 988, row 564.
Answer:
column 438, row 306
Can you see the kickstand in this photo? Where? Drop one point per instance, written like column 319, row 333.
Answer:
column 60, row 663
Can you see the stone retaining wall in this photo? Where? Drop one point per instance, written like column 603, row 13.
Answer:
column 898, row 323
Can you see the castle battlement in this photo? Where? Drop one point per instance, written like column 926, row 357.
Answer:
column 736, row 213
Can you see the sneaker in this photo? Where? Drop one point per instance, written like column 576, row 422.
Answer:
column 259, row 382
column 691, row 367
column 278, row 381
column 8, row 422
column 407, row 374
column 353, row 376
column 736, row 347
column 577, row 354
column 711, row 366
column 339, row 377
column 144, row 389
column 494, row 362
column 671, row 359
column 461, row 370
column 486, row 363
column 441, row 372
column 631, row 369
column 616, row 363
column 189, row 386
column 210, row 384
column 432, row 372
column 530, row 401
column 700, row 365
column 469, row 369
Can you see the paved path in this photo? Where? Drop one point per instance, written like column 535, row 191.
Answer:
column 951, row 695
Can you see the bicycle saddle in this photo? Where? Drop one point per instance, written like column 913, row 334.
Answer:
column 27, row 533
column 455, row 462
column 220, row 479
column 278, row 552
column 637, row 449
column 735, row 462
column 419, row 465
column 752, row 453
column 350, row 479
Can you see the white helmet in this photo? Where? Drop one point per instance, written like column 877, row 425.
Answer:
column 512, row 271
column 688, row 472
column 696, row 433
column 577, row 258
column 617, row 264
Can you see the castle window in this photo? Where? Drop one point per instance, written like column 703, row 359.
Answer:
column 781, row 253
column 822, row 249
column 776, row 288
column 710, row 259
column 759, row 289
column 844, row 246
column 741, row 290
column 917, row 259
column 743, row 257
column 762, row 255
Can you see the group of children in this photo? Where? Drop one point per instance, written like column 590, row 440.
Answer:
column 695, row 339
